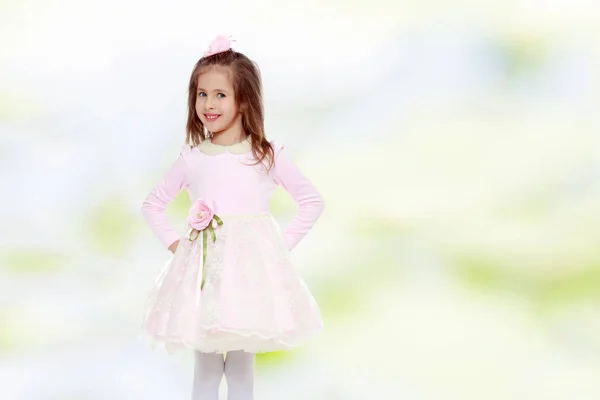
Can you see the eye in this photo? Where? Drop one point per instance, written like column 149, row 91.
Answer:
column 220, row 95
column 201, row 94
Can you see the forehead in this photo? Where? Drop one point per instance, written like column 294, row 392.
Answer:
column 215, row 77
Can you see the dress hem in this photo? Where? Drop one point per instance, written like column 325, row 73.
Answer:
column 249, row 341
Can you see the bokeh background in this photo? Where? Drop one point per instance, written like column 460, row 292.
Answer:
column 456, row 144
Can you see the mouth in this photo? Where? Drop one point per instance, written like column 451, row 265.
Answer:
column 211, row 117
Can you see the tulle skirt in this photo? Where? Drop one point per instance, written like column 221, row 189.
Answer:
column 247, row 296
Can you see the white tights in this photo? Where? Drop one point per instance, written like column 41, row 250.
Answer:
column 238, row 367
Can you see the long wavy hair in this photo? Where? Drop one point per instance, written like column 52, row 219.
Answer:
column 247, row 85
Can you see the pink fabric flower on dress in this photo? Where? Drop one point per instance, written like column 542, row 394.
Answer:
column 220, row 44
column 200, row 220
column 201, row 215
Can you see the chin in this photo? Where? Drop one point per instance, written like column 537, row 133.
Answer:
column 217, row 131
column 216, row 128
column 213, row 129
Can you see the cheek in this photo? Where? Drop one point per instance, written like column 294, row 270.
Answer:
column 199, row 106
column 231, row 107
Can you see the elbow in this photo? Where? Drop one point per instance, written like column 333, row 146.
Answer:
column 322, row 204
column 148, row 208
column 319, row 205
column 312, row 206
column 145, row 208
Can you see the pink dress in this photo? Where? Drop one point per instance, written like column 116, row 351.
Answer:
column 253, row 298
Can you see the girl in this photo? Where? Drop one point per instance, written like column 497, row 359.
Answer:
column 230, row 286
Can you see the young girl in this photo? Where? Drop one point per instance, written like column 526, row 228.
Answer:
column 230, row 286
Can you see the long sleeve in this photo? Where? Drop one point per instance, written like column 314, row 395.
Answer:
column 305, row 194
column 155, row 205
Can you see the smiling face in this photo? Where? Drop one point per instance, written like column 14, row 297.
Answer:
column 215, row 103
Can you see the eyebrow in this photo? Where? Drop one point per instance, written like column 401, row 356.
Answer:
column 216, row 90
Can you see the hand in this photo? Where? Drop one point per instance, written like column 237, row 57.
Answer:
column 173, row 247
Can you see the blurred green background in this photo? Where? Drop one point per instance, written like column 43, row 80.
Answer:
column 456, row 145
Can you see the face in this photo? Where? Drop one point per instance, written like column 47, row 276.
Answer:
column 215, row 102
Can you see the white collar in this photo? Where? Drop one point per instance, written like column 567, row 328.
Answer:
column 212, row 149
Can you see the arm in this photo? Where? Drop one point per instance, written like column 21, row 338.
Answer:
column 155, row 205
column 309, row 200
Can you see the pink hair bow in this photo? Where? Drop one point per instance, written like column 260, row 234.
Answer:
column 220, row 44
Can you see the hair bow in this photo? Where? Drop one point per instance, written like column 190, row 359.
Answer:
column 220, row 44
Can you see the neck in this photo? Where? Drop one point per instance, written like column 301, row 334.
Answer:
column 228, row 138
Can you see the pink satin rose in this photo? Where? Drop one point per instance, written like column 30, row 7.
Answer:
column 201, row 215
column 220, row 44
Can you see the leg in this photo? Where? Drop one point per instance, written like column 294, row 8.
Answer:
column 239, row 373
column 208, row 372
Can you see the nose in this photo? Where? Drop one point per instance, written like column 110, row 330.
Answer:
column 208, row 103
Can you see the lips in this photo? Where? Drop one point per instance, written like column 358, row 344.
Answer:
column 211, row 117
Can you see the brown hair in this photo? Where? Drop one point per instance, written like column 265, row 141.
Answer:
column 247, row 85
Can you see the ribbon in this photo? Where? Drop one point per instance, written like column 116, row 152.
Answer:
column 193, row 234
